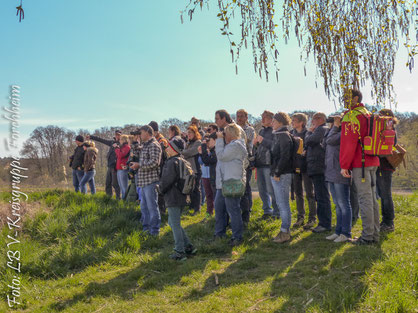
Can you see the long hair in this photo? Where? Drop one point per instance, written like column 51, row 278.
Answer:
column 194, row 129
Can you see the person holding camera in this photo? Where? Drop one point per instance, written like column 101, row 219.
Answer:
column 230, row 171
column 148, row 167
column 111, row 174
column 122, row 151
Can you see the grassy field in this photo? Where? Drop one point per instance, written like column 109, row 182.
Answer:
column 88, row 254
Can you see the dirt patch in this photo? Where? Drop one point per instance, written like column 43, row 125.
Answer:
column 27, row 210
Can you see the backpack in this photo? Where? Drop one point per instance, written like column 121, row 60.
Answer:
column 187, row 180
column 297, row 153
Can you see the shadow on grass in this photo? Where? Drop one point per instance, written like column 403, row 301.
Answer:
column 158, row 273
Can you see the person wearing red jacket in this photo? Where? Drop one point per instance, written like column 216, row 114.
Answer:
column 122, row 152
column 363, row 167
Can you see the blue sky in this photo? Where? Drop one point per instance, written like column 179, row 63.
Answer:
column 87, row 64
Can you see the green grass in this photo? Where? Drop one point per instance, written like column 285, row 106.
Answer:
column 88, row 254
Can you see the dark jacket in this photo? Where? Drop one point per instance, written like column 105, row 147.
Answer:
column 315, row 152
column 262, row 151
column 281, row 152
column 191, row 154
column 331, row 144
column 111, row 155
column 90, row 159
column 173, row 197
column 77, row 159
column 210, row 160
column 300, row 159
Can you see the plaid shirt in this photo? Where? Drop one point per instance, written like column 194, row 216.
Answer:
column 149, row 163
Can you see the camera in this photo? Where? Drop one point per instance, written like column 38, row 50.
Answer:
column 330, row 119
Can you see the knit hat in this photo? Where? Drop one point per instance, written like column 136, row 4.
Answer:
column 154, row 125
column 79, row 138
column 177, row 144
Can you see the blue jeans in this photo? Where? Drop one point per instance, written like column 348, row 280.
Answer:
column 281, row 191
column 77, row 176
column 123, row 181
column 228, row 206
column 150, row 214
column 341, row 197
column 88, row 178
column 265, row 190
column 181, row 241
column 323, row 203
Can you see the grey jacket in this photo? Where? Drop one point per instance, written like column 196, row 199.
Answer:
column 332, row 157
column 231, row 160
column 191, row 154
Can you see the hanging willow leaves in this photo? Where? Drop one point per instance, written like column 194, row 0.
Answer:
column 351, row 41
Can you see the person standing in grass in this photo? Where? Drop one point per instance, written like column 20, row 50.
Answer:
column 148, row 167
column 281, row 171
column 338, row 185
column 76, row 162
column 175, row 200
column 122, row 151
column 89, row 165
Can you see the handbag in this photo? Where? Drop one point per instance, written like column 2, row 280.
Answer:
column 233, row 188
column 397, row 157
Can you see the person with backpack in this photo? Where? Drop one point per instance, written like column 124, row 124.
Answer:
column 208, row 157
column 174, row 199
column 111, row 175
column 76, row 162
column 89, row 166
column 148, row 174
column 338, row 185
column 281, row 171
column 191, row 154
column 262, row 163
column 384, row 184
column 301, row 177
column 353, row 131
column 231, row 154
column 315, row 158
column 122, row 151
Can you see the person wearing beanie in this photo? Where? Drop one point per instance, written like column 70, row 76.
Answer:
column 90, row 157
column 76, row 162
column 174, row 199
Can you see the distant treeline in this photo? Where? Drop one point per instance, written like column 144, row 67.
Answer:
column 47, row 150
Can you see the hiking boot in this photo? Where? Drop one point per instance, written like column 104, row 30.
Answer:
column 282, row 237
column 341, row 238
column 386, row 228
column 190, row 250
column 361, row 241
column 320, row 229
column 309, row 225
column 300, row 222
column 332, row 237
column 178, row 256
column 266, row 217
column 235, row 242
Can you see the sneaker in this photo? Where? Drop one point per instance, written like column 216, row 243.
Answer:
column 235, row 242
column 300, row 222
column 320, row 229
column 190, row 250
column 387, row 228
column 282, row 237
column 309, row 225
column 361, row 241
column 332, row 237
column 178, row 256
column 341, row 238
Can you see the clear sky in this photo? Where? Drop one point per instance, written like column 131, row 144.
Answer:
column 87, row 64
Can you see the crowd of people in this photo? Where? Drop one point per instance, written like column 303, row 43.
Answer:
column 216, row 163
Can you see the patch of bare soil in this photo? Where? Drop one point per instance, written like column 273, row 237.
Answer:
column 27, row 210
